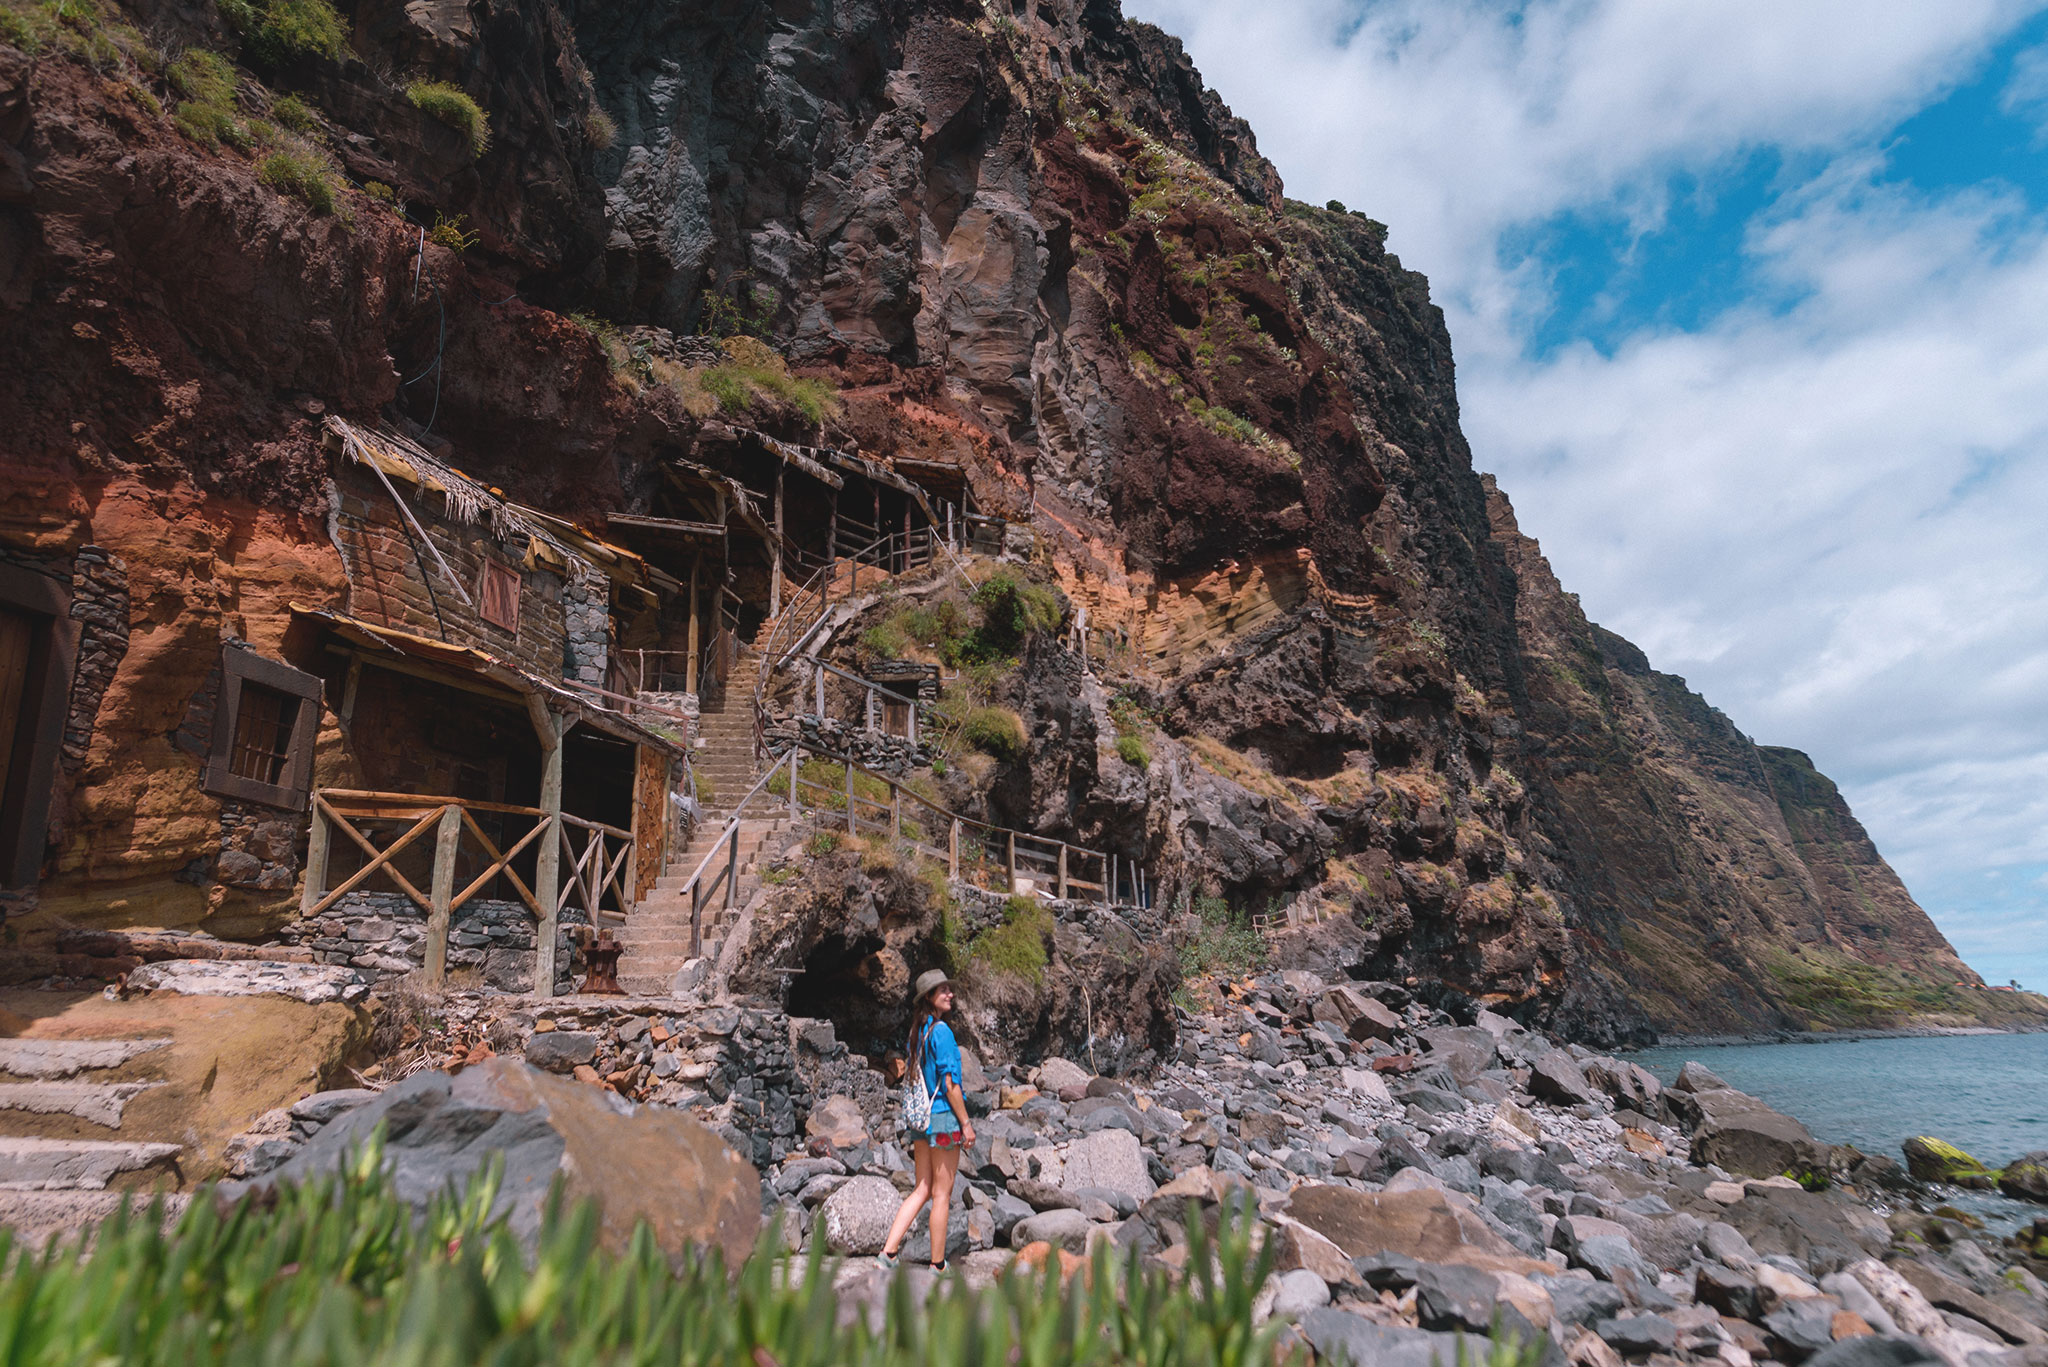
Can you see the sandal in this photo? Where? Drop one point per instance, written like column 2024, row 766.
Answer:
column 886, row 1261
column 939, row 1267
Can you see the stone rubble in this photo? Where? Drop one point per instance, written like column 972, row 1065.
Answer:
column 1420, row 1177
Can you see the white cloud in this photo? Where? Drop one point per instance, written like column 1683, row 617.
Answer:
column 1830, row 515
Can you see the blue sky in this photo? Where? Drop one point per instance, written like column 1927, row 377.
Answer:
column 1750, row 304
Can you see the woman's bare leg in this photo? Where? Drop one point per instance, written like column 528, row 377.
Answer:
column 906, row 1214
column 945, row 1163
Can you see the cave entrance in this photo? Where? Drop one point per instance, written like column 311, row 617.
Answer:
column 856, row 983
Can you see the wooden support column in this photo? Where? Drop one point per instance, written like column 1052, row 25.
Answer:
column 796, row 761
column 852, row 828
column 895, row 812
column 818, row 678
column 317, row 840
column 775, row 568
column 832, row 541
column 547, row 874
column 690, row 665
column 953, row 851
column 443, row 893
column 1013, row 861
column 1063, row 873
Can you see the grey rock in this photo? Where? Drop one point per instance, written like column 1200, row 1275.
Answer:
column 562, row 1051
column 1555, row 1077
column 1582, row 1303
column 1639, row 1335
column 1299, row 1292
column 1466, row 1050
column 1611, row 1258
column 1866, row 1351
column 855, row 1218
column 644, row 1163
column 1066, row 1229
column 1725, row 1242
column 1729, row 1291
column 322, row 1107
column 1332, row 1332
column 1694, row 1077
column 1108, row 1158
column 1802, row 1327
column 1451, row 1296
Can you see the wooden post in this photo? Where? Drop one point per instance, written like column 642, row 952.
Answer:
column 818, row 678
column 775, row 562
column 316, row 859
column 851, row 828
column 1109, row 884
column 831, row 543
column 690, row 665
column 953, row 851
column 444, row 893
column 867, row 716
column 1013, row 861
column 895, row 812
column 1063, row 871
column 732, row 865
column 547, row 871
column 796, row 756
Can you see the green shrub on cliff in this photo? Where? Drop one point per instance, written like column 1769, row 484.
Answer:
column 453, row 106
column 343, row 1272
column 275, row 33
column 995, row 731
column 1016, row 948
column 208, row 114
column 305, row 173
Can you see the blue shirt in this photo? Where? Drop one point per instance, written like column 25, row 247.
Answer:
column 940, row 1056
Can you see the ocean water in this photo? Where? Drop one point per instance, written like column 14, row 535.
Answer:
column 1987, row 1094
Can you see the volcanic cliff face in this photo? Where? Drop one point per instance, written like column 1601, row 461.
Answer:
column 1027, row 241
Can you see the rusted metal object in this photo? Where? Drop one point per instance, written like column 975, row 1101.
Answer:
column 601, row 958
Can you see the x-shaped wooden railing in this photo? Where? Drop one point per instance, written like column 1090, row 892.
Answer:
column 599, row 869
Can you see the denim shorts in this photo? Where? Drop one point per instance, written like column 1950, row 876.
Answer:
column 945, row 1131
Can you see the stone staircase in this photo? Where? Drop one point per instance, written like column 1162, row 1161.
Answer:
column 61, row 1104
column 657, row 933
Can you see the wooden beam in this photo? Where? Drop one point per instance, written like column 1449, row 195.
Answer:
column 690, row 664
column 548, row 863
column 794, row 455
column 775, row 569
column 442, row 895
column 666, row 526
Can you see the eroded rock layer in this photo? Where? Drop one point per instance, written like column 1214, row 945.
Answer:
column 1029, row 249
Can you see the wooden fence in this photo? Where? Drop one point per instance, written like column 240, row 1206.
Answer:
column 575, row 863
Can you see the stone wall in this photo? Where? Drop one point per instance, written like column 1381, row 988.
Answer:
column 387, row 584
column 587, row 627
column 99, row 604
column 735, row 1068
column 384, row 935
column 259, row 846
column 885, row 754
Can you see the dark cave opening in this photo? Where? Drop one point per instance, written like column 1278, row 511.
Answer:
column 843, row 981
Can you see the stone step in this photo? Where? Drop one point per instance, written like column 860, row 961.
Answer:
column 36, row 1217
column 74, row 1164
column 99, row 1103
column 60, row 1058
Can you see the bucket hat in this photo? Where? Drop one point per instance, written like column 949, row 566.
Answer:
column 928, row 982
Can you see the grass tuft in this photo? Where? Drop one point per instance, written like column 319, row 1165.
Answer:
column 276, row 33
column 1016, row 948
column 305, row 173
column 453, row 106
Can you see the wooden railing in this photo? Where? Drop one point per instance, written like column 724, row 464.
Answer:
column 872, row 695
column 995, row 858
column 894, row 553
column 380, row 828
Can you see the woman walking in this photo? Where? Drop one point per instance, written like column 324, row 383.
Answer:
column 934, row 1058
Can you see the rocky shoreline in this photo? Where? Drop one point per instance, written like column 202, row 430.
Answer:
column 1418, row 1175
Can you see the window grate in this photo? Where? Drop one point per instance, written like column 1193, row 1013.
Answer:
column 263, row 734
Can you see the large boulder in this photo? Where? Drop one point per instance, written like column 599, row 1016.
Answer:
column 1424, row 1225
column 1936, row 1160
column 1820, row 1229
column 1466, row 1050
column 1745, row 1136
column 855, row 1219
column 1630, row 1084
column 1556, row 1077
column 2026, row 1177
column 1360, row 1017
column 639, row 1163
column 1109, row 1158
